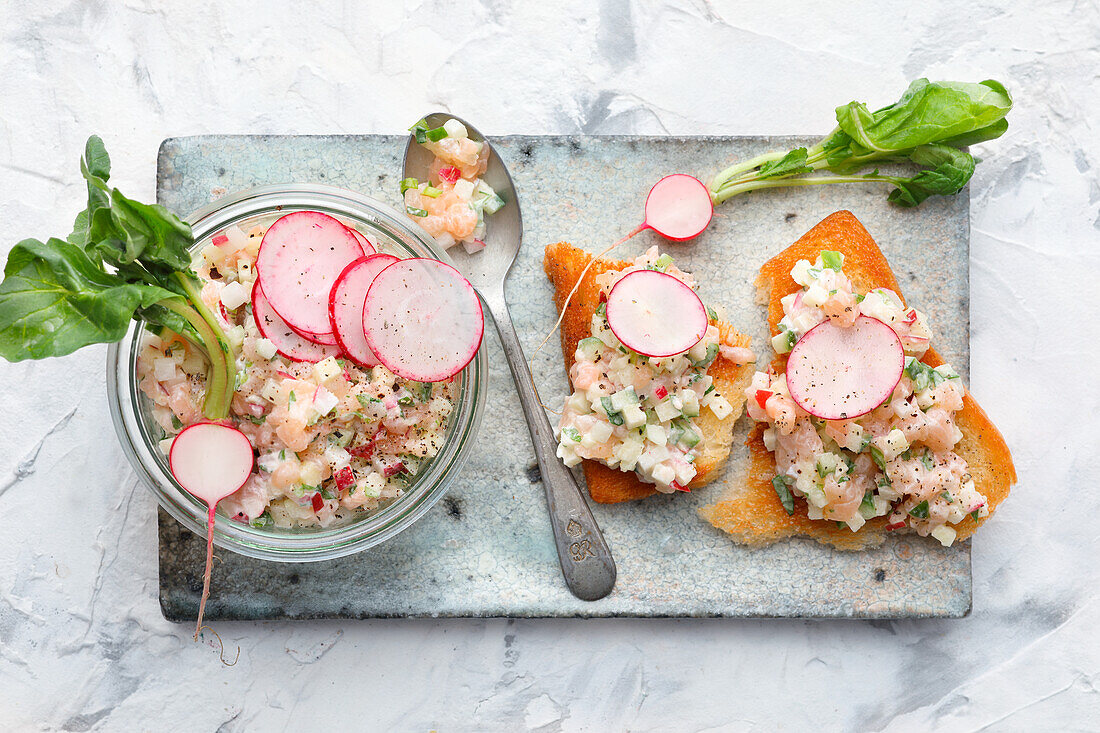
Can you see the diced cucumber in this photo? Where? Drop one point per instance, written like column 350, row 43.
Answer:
column 622, row 398
column 590, row 347
column 666, row 411
column 690, row 400
column 690, row 438
column 783, row 341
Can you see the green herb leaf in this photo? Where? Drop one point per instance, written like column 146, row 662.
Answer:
column 791, row 164
column 780, row 484
column 615, row 418
column 264, row 520
column 868, row 503
column 413, row 211
column 880, row 460
column 407, row 183
column 55, row 299
column 928, row 126
column 920, row 511
column 832, row 260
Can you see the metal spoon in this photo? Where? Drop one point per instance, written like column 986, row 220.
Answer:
column 586, row 560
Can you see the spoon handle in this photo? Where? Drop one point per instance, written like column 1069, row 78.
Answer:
column 585, row 558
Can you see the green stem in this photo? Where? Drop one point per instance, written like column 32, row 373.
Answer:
column 731, row 191
column 216, row 404
column 722, row 179
column 219, row 339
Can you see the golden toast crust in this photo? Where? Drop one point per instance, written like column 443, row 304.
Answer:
column 750, row 511
column 563, row 264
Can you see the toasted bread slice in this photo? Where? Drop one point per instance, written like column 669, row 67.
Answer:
column 750, row 511
column 563, row 264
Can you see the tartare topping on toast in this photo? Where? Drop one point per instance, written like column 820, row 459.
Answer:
column 894, row 455
column 639, row 413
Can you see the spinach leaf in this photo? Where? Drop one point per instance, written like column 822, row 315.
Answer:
column 96, row 163
column 928, row 126
column 949, row 171
column 123, row 260
column 55, row 299
column 926, row 113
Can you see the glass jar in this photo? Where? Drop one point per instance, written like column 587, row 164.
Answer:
column 140, row 434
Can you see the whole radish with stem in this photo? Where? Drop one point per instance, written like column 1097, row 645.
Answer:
column 210, row 461
column 678, row 208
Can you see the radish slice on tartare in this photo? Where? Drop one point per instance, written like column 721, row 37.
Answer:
column 210, row 461
column 840, row 373
column 278, row 332
column 345, row 306
column 300, row 257
column 655, row 314
column 678, row 207
column 368, row 248
column 423, row 320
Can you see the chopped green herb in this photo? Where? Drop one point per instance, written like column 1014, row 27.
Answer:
column 425, row 391
column 868, row 502
column 709, row 390
column 413, row 211
column 879, row 459
column 926, row 459
column 780, row 484
column 264, row 520
column 176, row 424
column 407, row 183
column 832, row 260
column 366, row 401
column 326, row 494
column 405, row 399
column 257, row 420
column 920, row 511
column 615, row 418
column 420, row 130
column 282, row 454
column 601, row 309
column 946, row 496
column 436, row 134
column 431, row 192
column 572, row 433
column 712, row 314
column 293, row 398
column 662, row 264
column 974, row 514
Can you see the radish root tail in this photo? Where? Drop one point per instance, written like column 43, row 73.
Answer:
column 565, row 305
column 221, row 647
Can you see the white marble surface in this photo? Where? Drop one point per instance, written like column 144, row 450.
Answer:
column 82, row 643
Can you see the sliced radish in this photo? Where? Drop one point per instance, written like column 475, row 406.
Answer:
column 286, row 341
column 368, row 248
column 345, row 306
column 840, row 373
column 300, row 257
column 655, row 314
column 210, row 461
column 423, row 320
column 678, row 207
column 324, row 339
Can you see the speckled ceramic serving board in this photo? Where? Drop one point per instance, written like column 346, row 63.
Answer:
column 487, row 549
